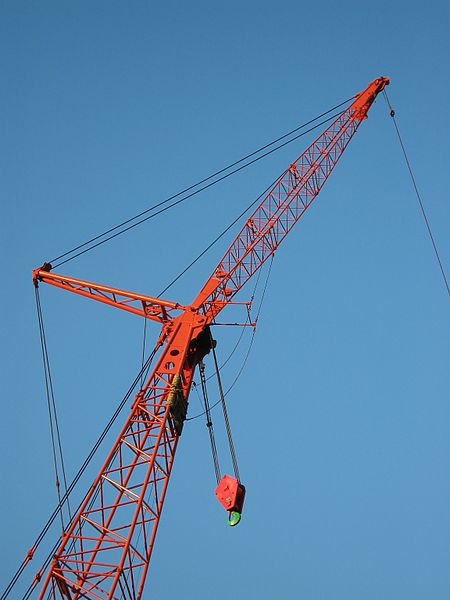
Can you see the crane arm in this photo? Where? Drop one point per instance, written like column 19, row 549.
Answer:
column 155, row 309
column 282, row 207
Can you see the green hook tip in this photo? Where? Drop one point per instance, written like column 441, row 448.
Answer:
column 234, row 518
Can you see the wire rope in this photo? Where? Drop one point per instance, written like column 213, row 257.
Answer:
column 241, row 335
column 225, row 413
column 244, row 362
column 146, row 366
column 52, row 412
column 74, row 482
column 254, row 330
column 51, row 554
column 197, row 191
column 236, row 345
column 419, row 199
column 89, row 244
column 235, row 220
column 209, row 423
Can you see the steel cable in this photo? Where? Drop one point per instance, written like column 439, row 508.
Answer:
column 240, row 215
column 225, row 413
column 146, row 366
column 51, row 406
column 419, row 199
column 209, row 423
column 244, row 362
column 74, row 482
column 89, row 245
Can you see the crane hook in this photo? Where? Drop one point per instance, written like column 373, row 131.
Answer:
column 234, row 518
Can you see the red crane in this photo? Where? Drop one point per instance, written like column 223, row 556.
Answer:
column 105, row 552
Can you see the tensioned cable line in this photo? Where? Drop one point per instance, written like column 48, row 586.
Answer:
column 51, row 554
column 74, row 482
column 219, row 236
column 89, row 245
column 209, row 423
column 52, row 413
column 46, row 564
column 225, row 412
column 254, row 329
column 244, row 362
column 241, row 335
column 243, row 212
column 419, row 199
column 222, row 401
column 235, row 347
column 207, row 411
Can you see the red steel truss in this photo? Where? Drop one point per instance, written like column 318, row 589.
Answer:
column 106, row 550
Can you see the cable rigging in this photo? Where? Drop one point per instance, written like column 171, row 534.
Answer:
column 89, row 245
column 229, row 491
column 74, row 482
column 244, row 362
column 247, row 322
column 419, row 199
column 225, row 413
column 209, row 423
column 52, row 413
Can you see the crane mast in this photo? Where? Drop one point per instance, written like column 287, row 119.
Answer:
column 105, row 552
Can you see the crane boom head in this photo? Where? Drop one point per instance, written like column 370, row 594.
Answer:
column 365, row 98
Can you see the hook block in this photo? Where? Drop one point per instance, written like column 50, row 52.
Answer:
column 230, row 493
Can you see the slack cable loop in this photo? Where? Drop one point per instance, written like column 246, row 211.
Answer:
column 254, row 330
column 419, row 199
column 244, row 362
column 241, row 335
column 164, row 202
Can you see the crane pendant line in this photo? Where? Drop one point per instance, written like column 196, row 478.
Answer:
column 105, row 552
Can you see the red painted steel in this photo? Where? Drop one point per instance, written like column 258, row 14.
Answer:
column 152, row 308
column 230, row 493
column 105, row 552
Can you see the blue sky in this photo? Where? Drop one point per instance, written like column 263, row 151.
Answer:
column 340, row 417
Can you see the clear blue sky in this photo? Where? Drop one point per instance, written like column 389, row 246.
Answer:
column 341, row 415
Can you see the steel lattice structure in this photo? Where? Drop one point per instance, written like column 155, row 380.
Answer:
column 105, row 552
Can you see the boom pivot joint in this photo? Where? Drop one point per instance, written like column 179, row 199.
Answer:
column 35, row 273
